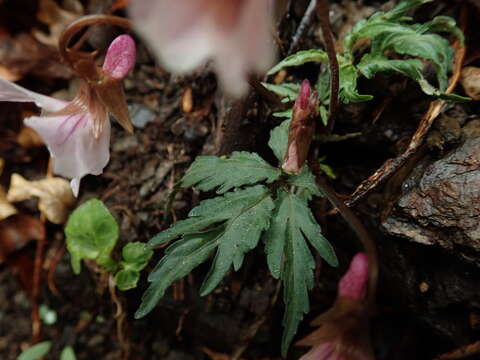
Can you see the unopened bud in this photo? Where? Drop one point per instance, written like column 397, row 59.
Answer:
column 302, row 129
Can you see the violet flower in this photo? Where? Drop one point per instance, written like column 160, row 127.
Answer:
column 77, row 133
column 184, row 34
column 344, row 330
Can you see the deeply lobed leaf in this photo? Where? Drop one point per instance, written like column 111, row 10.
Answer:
column 299, row 58
column 292, row 226
column 179, row 260
column 246, row 214
column 241, row 168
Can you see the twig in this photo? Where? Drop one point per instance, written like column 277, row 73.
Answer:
column 119, row 318
column 303, row 26
column 57, row 251
column 323, row 12
column 392, row 165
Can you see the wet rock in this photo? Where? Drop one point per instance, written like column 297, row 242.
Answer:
column 441, row 205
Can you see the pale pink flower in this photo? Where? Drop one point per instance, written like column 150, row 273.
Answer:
column 77, row 133
column 343, row 330
column 234, row 34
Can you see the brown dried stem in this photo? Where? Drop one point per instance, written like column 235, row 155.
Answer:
column 323, row 12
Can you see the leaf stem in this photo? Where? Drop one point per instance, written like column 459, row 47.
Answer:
column 352, row 219
column 323, row 12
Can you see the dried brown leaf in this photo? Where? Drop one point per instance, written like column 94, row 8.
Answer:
column 55, row 196
column 17, row 231
column 6, row 209
column 470, row 80
column 28, row 138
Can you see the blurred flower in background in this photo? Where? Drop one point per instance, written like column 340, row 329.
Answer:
column 234, row 34
column 343, row 332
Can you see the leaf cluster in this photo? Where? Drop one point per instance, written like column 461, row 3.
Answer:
column 395, row 46
column 92, row 233
column 256, row 201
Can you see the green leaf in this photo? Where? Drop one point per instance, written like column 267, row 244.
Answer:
column 286, row 241
column 323, row 115
column 209, row 212
column 68, row 354
column 348, row 85
column 426, row 46
column 327, row 170
column 287, row 91
column 284, row 114
column 179, row 260
column 305, row 184
column 241, row 235
column 91, row 233
column 446, row 24
column 279, row 140
column 35, row 352
column 401, row 9
column 379, row 23
column 241, row 168
column 372, row 64
column 127, row 279
column 136, row 256
column 300, row 58
column 246, row 214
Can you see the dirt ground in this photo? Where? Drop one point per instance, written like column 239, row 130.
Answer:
column 429, row 288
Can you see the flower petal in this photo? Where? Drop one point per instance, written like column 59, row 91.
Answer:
column 184, row 34
column 248, row 48
column 120, row 58
column 10, row 91
column 325, row 351
column 75, row 150
column 354, row 283
column 178, row 31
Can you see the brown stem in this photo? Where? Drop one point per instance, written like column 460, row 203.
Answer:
column 84, row 21
column 352, row 219
column 268, row 95
column 323, row 11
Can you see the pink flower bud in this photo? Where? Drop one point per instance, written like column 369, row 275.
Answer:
column 302, row 129
column 343, row 332
column 354, row 283
column 120, row 58
column 303, row 99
